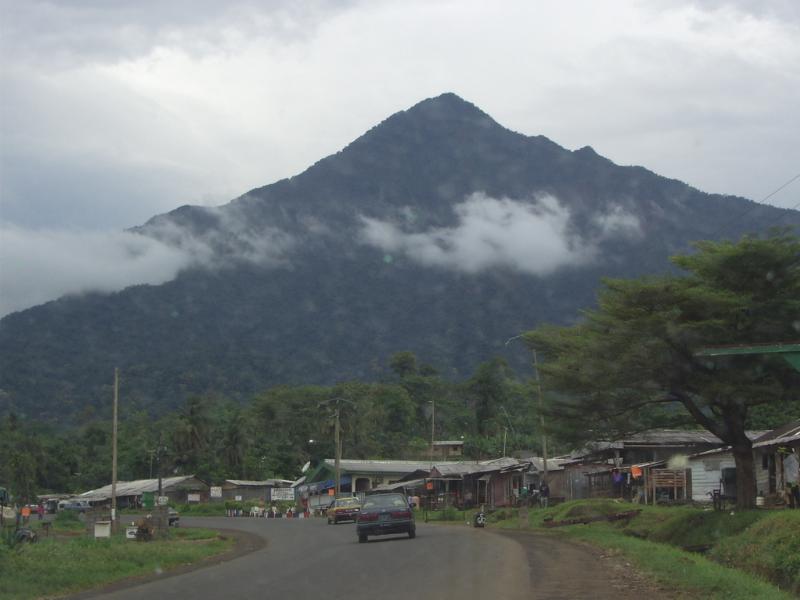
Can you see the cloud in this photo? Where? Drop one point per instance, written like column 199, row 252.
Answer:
column 133, row 108
column 38, row 266
column 43, row 265
column 531, row 237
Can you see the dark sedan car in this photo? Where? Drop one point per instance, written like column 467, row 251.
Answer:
column 382, row 514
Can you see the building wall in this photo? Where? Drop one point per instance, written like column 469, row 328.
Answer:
column 706, row 473
column 762, row 470
column 247, row 492
column 500, row 485
column 576, row 484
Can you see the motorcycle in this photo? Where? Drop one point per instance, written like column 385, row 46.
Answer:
column 479, row 520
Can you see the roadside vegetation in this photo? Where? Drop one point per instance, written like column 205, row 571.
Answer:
column 59, row 565
column 725, row 555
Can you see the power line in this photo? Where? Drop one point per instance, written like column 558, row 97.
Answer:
column 758, row 204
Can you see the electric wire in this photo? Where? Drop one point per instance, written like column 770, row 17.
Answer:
column 757, row 205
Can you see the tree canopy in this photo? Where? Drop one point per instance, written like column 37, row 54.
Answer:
column 632, row 363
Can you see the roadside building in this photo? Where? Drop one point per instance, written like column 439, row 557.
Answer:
column 648, row 446
column 777, row 453
column 357, row 477
column 494, row 483
column 557, row 479
column 448, row 450
column 647, row 464
column 183, row 489
column 713, row 470
column 242, row 490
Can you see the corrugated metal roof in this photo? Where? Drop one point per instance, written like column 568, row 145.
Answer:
column 135, row 488
column 784, row 434
column 265, row 482
column 553, row 464
column 449, row 443
column 459, row 469
column 380, row 466
column 388, row 487
column 658, row 438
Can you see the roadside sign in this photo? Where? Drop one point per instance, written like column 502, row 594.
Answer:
column 216, row 491
column 130, row 533
column 282, row 494
column 164, row 500
column 192, row 498
column 147, row 499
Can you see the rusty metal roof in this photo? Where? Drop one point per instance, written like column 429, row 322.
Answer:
column 265, row 482
column 135, row 488
column 785, row 434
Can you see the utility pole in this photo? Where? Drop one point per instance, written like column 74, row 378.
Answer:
column 541, row 404
column 158, row 465
column 505, row 434
column 541, row 414
column 338, row 444
column 433, row 427
column 114, row 454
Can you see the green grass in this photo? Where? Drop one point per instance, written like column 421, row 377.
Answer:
column 60, row 566
column 771, row 548
column 212, row 509
column 678, row 569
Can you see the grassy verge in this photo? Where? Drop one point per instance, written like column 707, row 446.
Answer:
column 771, row 548
column 52, row 567
column 678, row 569
column 759, row 545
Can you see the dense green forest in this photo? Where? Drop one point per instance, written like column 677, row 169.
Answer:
column 278, row 431
column 617, row 372
column 336, row 306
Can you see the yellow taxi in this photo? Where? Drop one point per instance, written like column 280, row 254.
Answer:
column 345, row 508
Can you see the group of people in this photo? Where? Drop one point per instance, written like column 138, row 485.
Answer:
column 542, row 492
column 26, row 511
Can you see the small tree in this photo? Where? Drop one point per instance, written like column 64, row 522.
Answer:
column 638, row 349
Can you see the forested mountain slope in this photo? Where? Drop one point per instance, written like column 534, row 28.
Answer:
column 438, row 231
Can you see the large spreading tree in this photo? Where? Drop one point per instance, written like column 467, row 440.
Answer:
column 634, row 360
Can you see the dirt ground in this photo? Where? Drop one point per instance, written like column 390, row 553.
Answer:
column 566, row 570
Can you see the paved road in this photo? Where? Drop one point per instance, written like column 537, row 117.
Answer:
column 309, row 559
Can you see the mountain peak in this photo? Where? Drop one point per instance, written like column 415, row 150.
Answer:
column 448, row 106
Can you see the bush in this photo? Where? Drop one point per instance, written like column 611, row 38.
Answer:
column 213, row 509
column 67, row 520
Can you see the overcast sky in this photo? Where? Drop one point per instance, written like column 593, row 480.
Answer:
column 115, row 111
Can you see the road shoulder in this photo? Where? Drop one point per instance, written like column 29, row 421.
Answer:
column 245, row 543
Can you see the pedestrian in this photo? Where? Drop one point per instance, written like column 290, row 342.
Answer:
column 544, row 494
column 40, row 511
column 617, row 479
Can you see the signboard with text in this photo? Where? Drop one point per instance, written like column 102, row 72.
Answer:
column 193, row 497
column 282, row 494
column 216, row 491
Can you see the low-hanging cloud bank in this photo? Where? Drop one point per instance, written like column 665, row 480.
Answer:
column 531, row 237
column 39, row 266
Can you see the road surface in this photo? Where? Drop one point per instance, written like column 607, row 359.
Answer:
column 306, row 558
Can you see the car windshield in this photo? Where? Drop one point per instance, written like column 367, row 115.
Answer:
column 385, row 501
column 347, row 502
